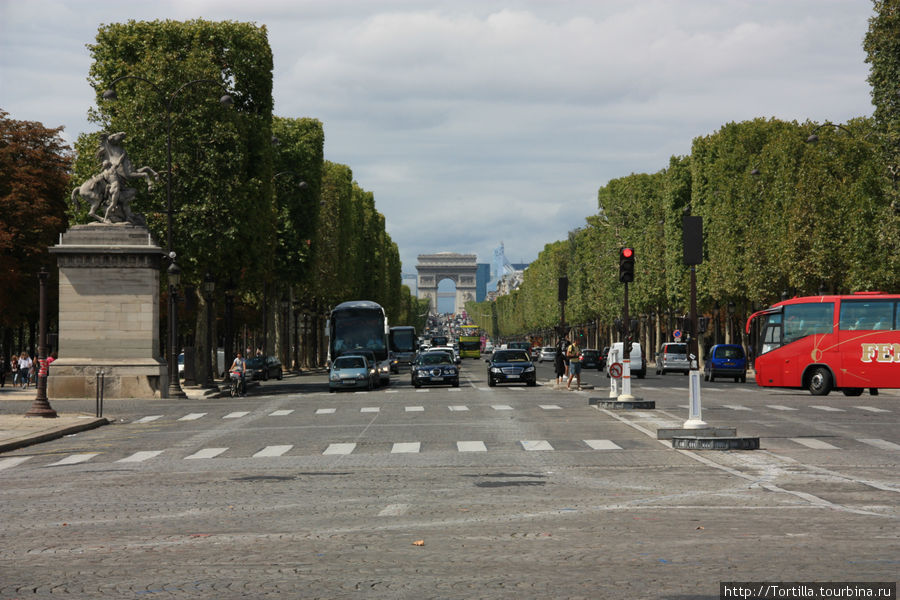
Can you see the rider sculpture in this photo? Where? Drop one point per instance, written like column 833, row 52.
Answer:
column 108, row 188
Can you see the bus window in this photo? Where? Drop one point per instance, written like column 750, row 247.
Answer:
column 771, row 333
column 801, row 320
column 867, row 315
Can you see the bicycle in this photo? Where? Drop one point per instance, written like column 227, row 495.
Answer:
column 236, row 388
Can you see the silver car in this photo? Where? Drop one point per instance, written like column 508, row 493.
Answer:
column 673, row 358
column 547, row 353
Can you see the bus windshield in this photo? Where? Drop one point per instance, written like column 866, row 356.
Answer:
column 793, row 322
column 358, row 327
column 403, row 339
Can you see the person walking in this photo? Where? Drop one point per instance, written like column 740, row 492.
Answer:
column 14, row 369
column 574, row 354
column 560, row 365
column 24, row 368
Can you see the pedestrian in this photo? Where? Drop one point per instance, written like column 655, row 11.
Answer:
column 4, row 367
column 574, row 354
column 24, row 368
column 14, row 369
column 563, row 345
column 560, row 364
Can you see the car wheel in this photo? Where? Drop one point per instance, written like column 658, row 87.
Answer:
column 819, row 383
column 852, row 391
column 737, row 379
column 685, row 373
column 455, row 383
column 532, row 383
column 280, row 375
column 265, row 376
column 331, row 390
column 416, row 384
column 491, row 382
column 743, row 379
column 641, row 374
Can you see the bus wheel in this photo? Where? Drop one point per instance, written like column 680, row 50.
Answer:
column 852, row 391
column 819, row 382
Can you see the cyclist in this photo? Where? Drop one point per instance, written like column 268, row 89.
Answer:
column 238, row 370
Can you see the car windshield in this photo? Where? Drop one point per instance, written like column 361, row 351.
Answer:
column 350, row 362
column 511, row 356
column 255, row 362
column 435, row 358
column 676, row 349
column 727, row 352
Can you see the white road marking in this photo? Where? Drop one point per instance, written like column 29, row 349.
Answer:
column 370, row 409
column 501, row 407
column 780, row 407
column 325, row 411
column 814, row 444
column 603, row 445
column 532, row 445
column 74, row 459
column 237, row 415
column 281, row 413
column 12, row 462
column 206, row 453
column 736, row 407
column 454, row 390
column 883, row 444
column 149, row 419
column 192, row 417
column 550, row 406
column 421, row 391
column 390, row 391
column 269, row 451
column 415, row 409
column 394, row 510
column 471, row 447
column 872, row 409
column 140, row 456
column 458, row 408
column 826, row 408
column 339, row 449
column 406, row 447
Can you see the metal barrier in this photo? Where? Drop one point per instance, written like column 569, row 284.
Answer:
column 101, row 381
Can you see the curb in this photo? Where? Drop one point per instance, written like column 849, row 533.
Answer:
column 52, row 434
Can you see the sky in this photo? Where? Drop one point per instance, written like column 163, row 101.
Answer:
column 476, row 122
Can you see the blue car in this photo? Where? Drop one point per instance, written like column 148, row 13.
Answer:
column 726, row 360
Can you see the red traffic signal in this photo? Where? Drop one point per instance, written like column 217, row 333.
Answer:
column 626, row 265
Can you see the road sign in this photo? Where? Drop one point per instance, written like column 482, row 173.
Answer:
column 615, row 370
column 677, row 335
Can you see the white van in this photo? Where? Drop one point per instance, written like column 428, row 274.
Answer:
column 638, row 366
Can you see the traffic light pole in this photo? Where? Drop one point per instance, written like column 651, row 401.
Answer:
column 694, row 420
column 626, row 396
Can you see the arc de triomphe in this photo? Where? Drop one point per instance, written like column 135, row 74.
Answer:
column 460, row 268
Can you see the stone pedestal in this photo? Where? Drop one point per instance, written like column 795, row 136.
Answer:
column 108, row 313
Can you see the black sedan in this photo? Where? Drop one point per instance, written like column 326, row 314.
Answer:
column 511, row 366
column 434, row 368
column 264, row 368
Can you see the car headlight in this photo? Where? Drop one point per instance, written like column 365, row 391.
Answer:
column 360, row 376
column 495, row 370
column 335, row 377
column 385, row 368
column 529, row 369
column 451, row 371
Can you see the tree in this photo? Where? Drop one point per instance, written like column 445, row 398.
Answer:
column 34, row 186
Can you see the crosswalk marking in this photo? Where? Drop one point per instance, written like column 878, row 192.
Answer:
column 140, row 456
column 454, row 390
column 406, row 447
column 339, row 449
column 270, row 451
column 74, row 459
column 370, row 409
column 192, row 416
column 501, row 407
column 458, row 408
column 780, row 407
column 814, row 444
column 826, row 408
column 281, row 413
column 421, row 391
column 325, row 411
column 532, row 445
column 12, row 462
column 883, row 444
column 237, row 414
column 872, row 409
column 206, row 453
column 149, row 419
column 415, row 409
column 736, row 407
column 471, row 447
column 550, row 406
column 603, row 444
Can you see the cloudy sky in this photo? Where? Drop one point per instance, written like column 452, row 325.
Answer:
column 481, row 121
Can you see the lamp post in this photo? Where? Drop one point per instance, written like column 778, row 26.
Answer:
column 41, row 405
column 209, row 286
column 167, row 100
column 229, row 322
column 173, row 275
column 285, row 330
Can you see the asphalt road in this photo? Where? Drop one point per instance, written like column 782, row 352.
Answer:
column 475, row 492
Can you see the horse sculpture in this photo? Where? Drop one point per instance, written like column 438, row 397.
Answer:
column 109, row 186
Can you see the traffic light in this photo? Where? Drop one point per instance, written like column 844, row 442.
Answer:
column 626, row 265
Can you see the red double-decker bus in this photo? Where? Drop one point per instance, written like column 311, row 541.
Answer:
column 823, row 343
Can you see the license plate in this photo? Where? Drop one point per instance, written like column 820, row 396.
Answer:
column 437, row 378
column 512, row 376
column 728, row 364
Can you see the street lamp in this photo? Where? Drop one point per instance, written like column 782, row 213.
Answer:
column 209, row 286
column 173, row 276
column 285, row 330
column 229, row 322
column 167, row 100
column 41, row 405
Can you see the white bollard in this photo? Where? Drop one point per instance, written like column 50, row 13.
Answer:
column 695, row 420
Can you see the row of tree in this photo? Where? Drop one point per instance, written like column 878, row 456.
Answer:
column 787, row 207
column 255, row 204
